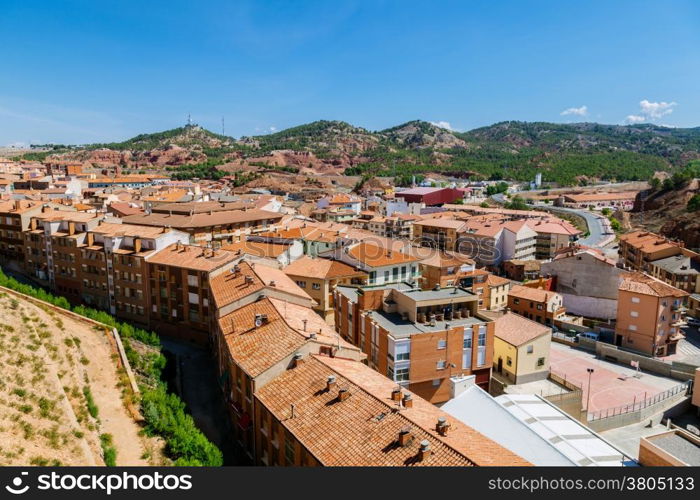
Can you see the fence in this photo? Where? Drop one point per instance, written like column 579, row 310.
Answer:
column 569, row 402
column 637, row 406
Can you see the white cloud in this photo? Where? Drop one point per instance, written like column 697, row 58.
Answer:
column 651, row 111
column 443, row 124
column 582, row 111
column 272, row 129
column 656, row 110
column 635, row 119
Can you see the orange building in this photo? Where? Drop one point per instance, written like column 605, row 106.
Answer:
column 419, row 338
column 538, row 305
column 649, row 314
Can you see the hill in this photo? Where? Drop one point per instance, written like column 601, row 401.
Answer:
column 568, row 154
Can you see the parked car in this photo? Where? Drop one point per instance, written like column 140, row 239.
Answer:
column 589, row 335
column 693, row 321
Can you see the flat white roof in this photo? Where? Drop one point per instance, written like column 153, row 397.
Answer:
column 573, row 439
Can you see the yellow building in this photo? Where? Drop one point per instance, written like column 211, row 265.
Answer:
column 520, row 349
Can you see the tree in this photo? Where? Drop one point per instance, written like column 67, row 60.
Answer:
column 654, row 183
column 694, row 203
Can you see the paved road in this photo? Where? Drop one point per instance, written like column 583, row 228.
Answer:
column 598, row 227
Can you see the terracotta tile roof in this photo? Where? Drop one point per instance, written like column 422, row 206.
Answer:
column 258, row 248
column 363, row 429
column 256, row 349
column 320, row 268
column 533, row 294
column 551, row 226
column 580, row 198
column 375, row 256
column 442, row 223
column 647, row 242
column 229, row 287
column 646, row 285
column 203, row 220
column 113, row 229
column 493, row 280
column 518, row 330
column 124, row 209
column 200, row 207
column 192, row 257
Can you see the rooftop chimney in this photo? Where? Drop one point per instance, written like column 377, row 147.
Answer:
column 407, row 401
column 396, row 394
column 343, row 394
column 297, row 360
column 405, row 436
column 424, row 450
column 330, row 382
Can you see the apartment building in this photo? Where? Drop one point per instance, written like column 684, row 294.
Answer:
column 179, row 277
column 538, row 305
column 521, row 349
column 14, row 220
column 443, row 268
column 439, row 233
column 382, row 265
column 639, row 248
column 649, row 315
column 397, row 226
column 215, row 227
column 552, row 235
column 320, row 277
column 418, row 338
column 680, row 271
column 53, row 249
column 522, row 270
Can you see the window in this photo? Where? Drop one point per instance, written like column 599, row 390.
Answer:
column 635, row 300
column 301, row 284
column 386, row 276
column 401, row 375
column 540, row 361
column 467, row 343
column 509, row 361
column 516, row 301
column 436, row 382
column 634, row 314
column 530, row 349
column 633, row 328
column 539, row 307
column 442, row 344
column 402, row 351
column 289, row 451
column 316, row 286
column 441, row 365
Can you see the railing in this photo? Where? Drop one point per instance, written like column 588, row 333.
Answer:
column 563, row 379
column 685, row 387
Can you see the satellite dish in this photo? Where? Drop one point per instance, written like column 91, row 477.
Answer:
column 258, row 323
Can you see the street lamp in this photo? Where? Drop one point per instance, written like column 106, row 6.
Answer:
column 588, row 400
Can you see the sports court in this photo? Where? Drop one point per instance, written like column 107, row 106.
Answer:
column 611, row 384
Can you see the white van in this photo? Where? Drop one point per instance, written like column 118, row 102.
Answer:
column 589, row 335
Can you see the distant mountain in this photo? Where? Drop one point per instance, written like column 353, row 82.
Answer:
column 565, row 153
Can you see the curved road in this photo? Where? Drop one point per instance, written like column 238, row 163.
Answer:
column 600, row 233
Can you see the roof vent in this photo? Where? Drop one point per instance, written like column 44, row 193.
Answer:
column 272, row 283
column 330, row 382
column 407, row 401
column 248, row 279
column 396, row 394
column 424, row 450
column 442, row 426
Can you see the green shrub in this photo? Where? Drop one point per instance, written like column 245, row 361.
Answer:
column 91, row 406
column 165, row 416
column 109, row 452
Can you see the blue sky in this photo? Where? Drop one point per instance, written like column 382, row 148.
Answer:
column 89, row 71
